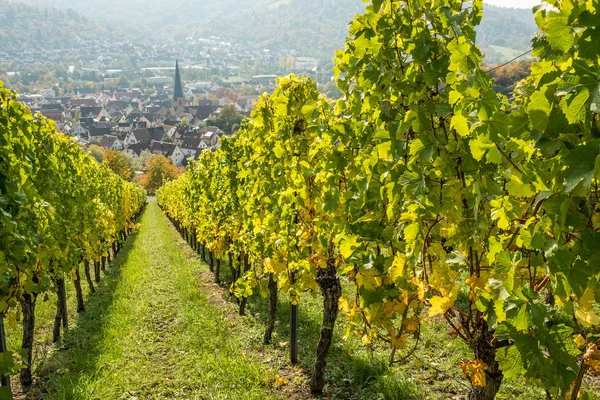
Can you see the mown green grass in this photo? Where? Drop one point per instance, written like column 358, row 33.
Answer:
column 150, row 333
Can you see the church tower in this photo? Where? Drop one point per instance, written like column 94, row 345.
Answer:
column 178, row 101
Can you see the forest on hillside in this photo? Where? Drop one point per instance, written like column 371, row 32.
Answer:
column 33, row 28
column 312, row 27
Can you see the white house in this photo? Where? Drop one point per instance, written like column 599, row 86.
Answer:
column 178, row 156
column 79, row 130
column 110, row 142
column 211, row 138
column 137, row 136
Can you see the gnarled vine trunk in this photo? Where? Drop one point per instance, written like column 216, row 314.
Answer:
column 28, row 308
column 88, row 276
column 244, row 300
column 232, row 267
column 97, row 271
column 78, row 291
column 331, row 290
column 273, row 294
column 493, row 375
column 61, row 310
column 218, row 271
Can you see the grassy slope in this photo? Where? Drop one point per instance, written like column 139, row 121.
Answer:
column 155, row 330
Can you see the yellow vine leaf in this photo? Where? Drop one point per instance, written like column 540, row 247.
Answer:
column 587, row 300
column 343, row 305
column 397, row 269
column 366, row 340
column 420, row 287
column 517, row 188
column 411, row 324
column 392, row 307
column 459, row 123
column 274, row 267
column 579, row 340
column 411, row 232
column 474, row 371
column 347, row 246
column 369, row 279
column 439, row 305
column 588, row 318
column 398, row 342
column 279, row 381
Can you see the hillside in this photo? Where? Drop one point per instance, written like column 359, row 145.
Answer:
column 313, row 27
column 31, row 28
column 505, row 33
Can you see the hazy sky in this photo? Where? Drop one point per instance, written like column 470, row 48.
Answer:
column 514, row 3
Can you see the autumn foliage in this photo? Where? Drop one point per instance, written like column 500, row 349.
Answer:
column 159, row 171
column 118, row 163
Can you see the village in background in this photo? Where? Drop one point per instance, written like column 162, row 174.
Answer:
column 128, row 94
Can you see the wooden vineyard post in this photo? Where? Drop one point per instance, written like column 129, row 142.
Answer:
column 294, row 331
column 294, row 335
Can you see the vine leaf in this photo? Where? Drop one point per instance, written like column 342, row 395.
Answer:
column 581, row 165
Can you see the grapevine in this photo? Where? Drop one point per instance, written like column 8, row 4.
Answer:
column 59, row 208
column 430, row 194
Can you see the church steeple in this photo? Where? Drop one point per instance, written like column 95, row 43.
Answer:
column 178, row 89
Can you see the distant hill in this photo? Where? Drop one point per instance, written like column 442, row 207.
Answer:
column 314, row 27
column 505, row 33
column 29, row 28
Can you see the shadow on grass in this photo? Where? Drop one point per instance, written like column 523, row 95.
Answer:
column 77, row 354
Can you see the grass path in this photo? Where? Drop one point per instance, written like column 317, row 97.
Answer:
column 151, row 333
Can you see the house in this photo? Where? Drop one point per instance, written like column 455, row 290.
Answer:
column 75, row 103
column 211, row 136
column 78, row 130
column 96, row 134
column 247, row 102
column 110, row 142
column 157, row 133
column 191, row 146
column 106, row 124
column 136, row 150
column 166, row 149
column 179, row 157
column 54, row 115
column 90, row 112
column 174, row 133
column 211, row 139
column 138, row 136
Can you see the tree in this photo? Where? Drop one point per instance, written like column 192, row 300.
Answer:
column 118, row 163
column 227, row 119
column 184, row 122
column 160, row 170
column 123, row 81
column 97, row 152
column 145, row 157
